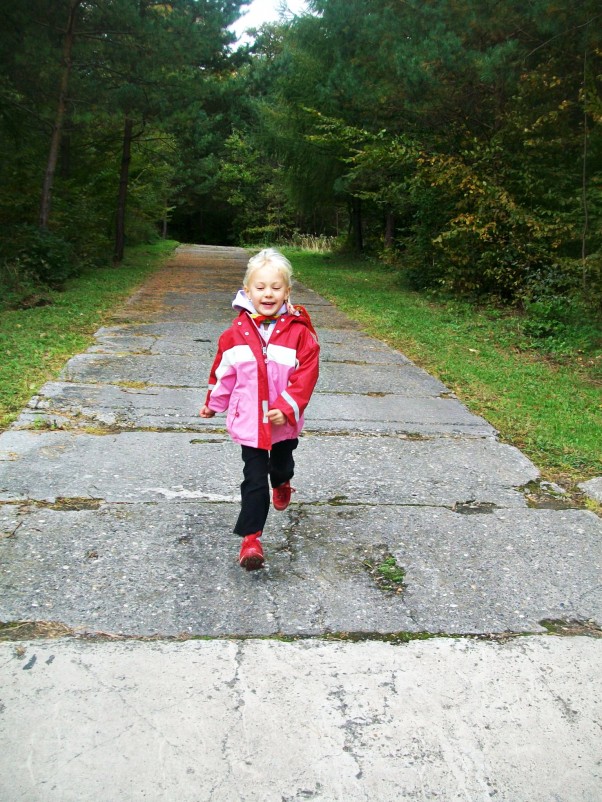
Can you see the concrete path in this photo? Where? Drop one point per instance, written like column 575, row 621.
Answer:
column 426, row 627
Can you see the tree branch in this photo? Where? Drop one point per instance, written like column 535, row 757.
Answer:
column 564, row 33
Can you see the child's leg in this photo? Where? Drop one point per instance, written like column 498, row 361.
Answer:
column 282, row 464
column 254, row 492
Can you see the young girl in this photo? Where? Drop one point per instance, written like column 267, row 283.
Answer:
column 264, row 374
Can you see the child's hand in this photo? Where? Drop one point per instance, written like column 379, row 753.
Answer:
column 276, row 416
column 206, row 412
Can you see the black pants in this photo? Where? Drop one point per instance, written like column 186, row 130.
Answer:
column 259, row 464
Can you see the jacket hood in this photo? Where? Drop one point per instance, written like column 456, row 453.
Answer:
column 243, row 302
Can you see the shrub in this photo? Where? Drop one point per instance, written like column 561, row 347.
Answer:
column 37, row 255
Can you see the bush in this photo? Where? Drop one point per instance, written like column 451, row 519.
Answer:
column 18, row 288
column 35, row 255
column 258, row 235
column 548, row 317
column 558, row 309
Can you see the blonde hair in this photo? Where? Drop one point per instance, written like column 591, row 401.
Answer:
column 270, row 257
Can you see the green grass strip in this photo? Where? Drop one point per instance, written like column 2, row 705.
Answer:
column 550, row 411
column 35, row 343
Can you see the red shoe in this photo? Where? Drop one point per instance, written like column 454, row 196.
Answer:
column 281, row 496
column 251, row 553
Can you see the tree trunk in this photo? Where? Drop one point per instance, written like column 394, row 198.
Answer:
column 356, row 223
column 389, row 231
column 164, row 223
column 65, row 159
column 123, row 190
column 584, row 179
column 57, row 129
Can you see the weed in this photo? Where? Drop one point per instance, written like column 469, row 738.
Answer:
column 64, row 504
column 382, row 566
column 316, row 243
column 593, row 506
column 132, row 385
column 572, row 627
column 28, row 630
column 391, row 572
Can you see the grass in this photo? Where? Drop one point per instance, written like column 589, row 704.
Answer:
column 550, row 410
column 35, row 343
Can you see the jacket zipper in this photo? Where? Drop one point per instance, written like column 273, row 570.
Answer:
column 264, row 345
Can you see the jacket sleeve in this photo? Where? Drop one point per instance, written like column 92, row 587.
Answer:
column 222, row 378
column 301, row 383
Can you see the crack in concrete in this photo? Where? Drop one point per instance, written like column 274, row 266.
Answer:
column 232, row 754
column 37, row 630
column 296, row 514
column 351, row 728
column 138, row 716
column 11, row 532
column 272, row 600
column 304, row 793
column 460, row 507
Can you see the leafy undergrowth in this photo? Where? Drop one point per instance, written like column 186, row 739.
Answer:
column 36, row 342
column 549, row 408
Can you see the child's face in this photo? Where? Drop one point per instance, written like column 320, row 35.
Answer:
column 267, row 290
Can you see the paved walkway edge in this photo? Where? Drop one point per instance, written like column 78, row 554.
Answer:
column 262, row 720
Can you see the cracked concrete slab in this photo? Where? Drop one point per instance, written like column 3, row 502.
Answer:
column 71, row 405
column 121, row 343
column 150, row 466
column 336, row 344
column 169, row 330
column 366, row 353
column 68, row 405
column 362, row 379
column 155, row 369
column 139, row 344
column 266, row 722
column 172, row 568
column 391, row 414
column 191, row 370
column 178, row 306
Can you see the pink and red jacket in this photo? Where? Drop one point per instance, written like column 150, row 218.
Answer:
column 250, row 376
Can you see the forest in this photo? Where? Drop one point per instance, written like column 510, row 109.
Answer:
column 458, row 141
